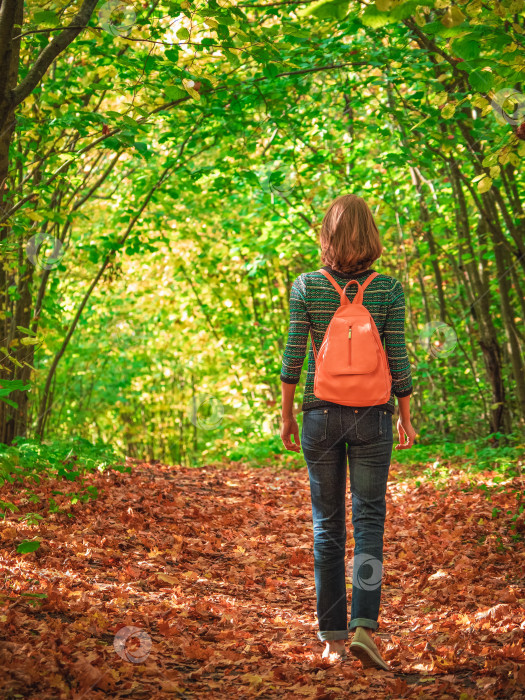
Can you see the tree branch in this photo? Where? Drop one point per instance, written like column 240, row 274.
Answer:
column 55, row 47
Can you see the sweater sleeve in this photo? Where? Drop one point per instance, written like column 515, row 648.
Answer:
column 395, row 346
column 295, row 350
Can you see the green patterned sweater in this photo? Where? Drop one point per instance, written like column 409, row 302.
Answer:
column 313, row 302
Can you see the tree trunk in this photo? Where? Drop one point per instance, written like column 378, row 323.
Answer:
column 480, row 295
column 13, row 420
column 507, row 315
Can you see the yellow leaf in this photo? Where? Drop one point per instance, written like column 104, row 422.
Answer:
column 34, row 215
column 383, row 5
column 188, row 86
column 448, row 111
column 419, row 18
column 485, row 184
column 452, row 17
column 252, row 679
column 191, row 574
column 439, row 98
column 480, row 101
column 167, row 578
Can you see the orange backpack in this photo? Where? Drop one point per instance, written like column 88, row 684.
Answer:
column 351, row 367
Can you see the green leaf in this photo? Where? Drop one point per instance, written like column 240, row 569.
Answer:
column 13, row 404
column 46, row 17
column 26, row 330
column 28, row 546
column 406, row 9
column 172, row 54
column 326, row 9
column 112, row 143
column 142, row 148
column 174, row 93
column 9, row 385
column 292, row 30
column 270, row 70
column 466, row 48
column 35, row 595
column 183, row 34
column 371, row 17
column 481, row 80
column 226, row 19
column 129, row 121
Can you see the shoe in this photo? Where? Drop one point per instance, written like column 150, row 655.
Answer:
column 363, row 648
column 340, row 653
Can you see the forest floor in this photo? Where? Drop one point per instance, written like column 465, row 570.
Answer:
column 208, row 574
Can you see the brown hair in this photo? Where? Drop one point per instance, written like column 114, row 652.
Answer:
column 349, row 237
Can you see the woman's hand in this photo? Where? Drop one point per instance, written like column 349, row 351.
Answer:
column 289, row 428
column 407, row 434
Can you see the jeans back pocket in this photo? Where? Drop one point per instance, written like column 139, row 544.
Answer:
column 315, row 425
column 370, row 424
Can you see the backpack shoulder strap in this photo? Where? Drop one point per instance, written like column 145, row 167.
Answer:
column 331, row 279
column 358, row 299
column 362, row 288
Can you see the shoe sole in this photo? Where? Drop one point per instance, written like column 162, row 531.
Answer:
column 366, row 657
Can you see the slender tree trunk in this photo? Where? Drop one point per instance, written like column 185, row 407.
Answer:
column 480, row 308
column 13, row 421
column 507, row 315
column 11, row 16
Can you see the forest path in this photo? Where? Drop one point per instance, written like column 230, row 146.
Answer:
column 209, row 572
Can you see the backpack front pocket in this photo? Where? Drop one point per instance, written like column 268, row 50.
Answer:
column 350, row 347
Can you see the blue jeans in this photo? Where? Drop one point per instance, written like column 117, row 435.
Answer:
column 329, row 434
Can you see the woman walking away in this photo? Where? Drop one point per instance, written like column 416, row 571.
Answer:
column 348, row 403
